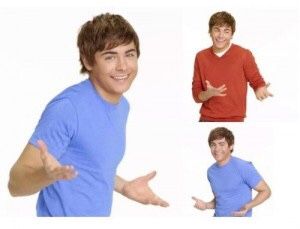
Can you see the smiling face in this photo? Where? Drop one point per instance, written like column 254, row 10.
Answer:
column 221, row 151
column 113, row 71
column 221, row 36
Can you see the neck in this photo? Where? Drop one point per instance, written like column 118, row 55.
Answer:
column 224, row 162
column 110, row 98
column 216, row 50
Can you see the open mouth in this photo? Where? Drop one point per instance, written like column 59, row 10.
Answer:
column 120, row 77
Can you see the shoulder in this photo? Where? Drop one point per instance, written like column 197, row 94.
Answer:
column 212, row 168
column 124, row 104
column 241, row 51
column 204, row 51
column 76, row 90
column 64, row 104
column 239, row 48
column 242, row 164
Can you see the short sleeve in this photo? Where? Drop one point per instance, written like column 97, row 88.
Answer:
column 251, row 175
column 56, row 127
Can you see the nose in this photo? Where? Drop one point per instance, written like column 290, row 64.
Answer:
column 221, row 34
column 121, row 64
column 216, row 148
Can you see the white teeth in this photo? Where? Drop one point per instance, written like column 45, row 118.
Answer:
column 120, row 77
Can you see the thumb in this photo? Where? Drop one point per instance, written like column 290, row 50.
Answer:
column 268, row 84
column 42, row 147
column 207, row 83
column 150, row 176
column 194, row 198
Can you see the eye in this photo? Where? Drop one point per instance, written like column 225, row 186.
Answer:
column 109, row 57
column 131, row 54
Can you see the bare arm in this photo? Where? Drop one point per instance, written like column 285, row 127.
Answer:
column 263, row 193
column 36, row 169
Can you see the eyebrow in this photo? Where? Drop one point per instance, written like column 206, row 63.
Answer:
column 114, row 53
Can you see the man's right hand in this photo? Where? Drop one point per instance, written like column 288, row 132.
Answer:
column 212, row 91
column 53, row 168
column 199, row 204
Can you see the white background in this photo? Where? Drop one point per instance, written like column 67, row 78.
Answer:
column 39, row 58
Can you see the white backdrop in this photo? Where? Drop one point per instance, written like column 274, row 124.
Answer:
column 39, row 58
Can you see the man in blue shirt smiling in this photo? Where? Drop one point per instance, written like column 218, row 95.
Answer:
column 72, row 157
column 231, row 179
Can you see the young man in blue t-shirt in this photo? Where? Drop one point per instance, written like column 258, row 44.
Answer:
column 231, row 179
column 72, row 157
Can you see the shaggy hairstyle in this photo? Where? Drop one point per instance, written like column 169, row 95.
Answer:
column 219, row 133
column 105, row 31
column 220, row 19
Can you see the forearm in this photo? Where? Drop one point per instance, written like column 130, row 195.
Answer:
column 204, row 96
column 259, row 198
column 25, row 180
column 211, row 204
column 119, row 184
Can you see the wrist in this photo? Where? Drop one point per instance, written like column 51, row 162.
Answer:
column 208, row 205
column 247, row 207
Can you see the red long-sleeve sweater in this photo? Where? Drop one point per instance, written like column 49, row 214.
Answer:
column 235, row 69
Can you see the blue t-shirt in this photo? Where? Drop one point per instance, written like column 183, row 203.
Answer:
column 232, row 185
column 83, row 130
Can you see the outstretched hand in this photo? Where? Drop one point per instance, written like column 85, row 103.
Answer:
column 53, row 168
column 262, row 93
column 139, row 190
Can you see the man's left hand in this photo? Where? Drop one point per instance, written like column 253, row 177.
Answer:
column 139, row 190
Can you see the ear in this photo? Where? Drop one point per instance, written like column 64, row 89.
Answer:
column 231, row 148
column 87, row 64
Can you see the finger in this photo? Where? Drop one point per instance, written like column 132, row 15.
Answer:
column 42, row 147
column 150, row 175
column 64, row 173
column 156, row 200
column 268, row 84
column 43, row 152
column 238, row 214
column 270, row 94
column 259, row 98
column 235, row 214
column 207, row 83
column 194, row 198
column 222, row 95
column 222, row 87
column 222, row 90
column 161, row 202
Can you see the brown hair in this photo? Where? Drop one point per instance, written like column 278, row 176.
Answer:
column 220, row 19
column 105, row 31
column 219, row 133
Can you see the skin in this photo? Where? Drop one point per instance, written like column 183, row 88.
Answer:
column 114, row 71
column 221, row 37
column 221, row 152
column 112, row 74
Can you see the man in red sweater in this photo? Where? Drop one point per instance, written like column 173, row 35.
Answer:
column 221, row 74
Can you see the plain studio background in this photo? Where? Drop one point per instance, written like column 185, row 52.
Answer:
column 39, row 58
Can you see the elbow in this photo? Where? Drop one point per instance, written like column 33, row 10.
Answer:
column 12, row 189
column 269, row 193
column 12, row 185
column 196, row 98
